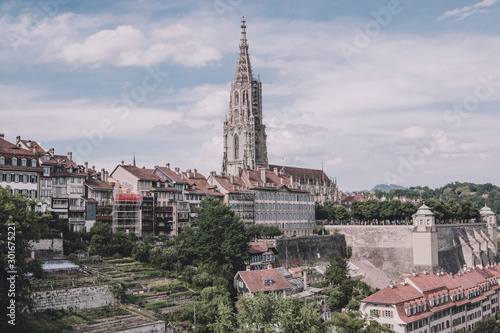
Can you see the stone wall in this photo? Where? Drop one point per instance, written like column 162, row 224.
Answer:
column 55, row 245
column 309, row 251
column 390, row 248
column 74, row 299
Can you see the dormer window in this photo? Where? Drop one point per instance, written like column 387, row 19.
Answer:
column 33, row 163
column 2, row 160
column 23, row 162
column 46, row 157
column 14, row 161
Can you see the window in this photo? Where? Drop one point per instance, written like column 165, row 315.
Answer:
column 46, row 157
column 23, row 162
column 236, row 147
column 13, row 161
column 46, row 171
column 33, row 163
column 2, row 160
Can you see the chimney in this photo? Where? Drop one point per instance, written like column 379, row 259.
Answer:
column 195, row 173
column 177, row 170
column 93, row 167
column 263, row 175
column 123, row 162
column 18, row 138
column 2, row 135
column 106, row 175
column 213, row 173
column 103, row 175
column 34, row 150
column 51, row 152
column 391, row 285
column 86, row 164
column 168, row 166
column 276, row 171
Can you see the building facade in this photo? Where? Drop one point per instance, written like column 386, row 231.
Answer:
column 244, row 133
column 428, row 302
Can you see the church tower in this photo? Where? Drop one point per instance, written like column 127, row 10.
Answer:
column 244, row 134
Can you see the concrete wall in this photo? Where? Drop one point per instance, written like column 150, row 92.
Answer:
column 55, row 245
column 74, row 299
column 309, row 251
column 390, row 248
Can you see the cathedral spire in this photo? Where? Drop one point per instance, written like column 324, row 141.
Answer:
column 243, row 67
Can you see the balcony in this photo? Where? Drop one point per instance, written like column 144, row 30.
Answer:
column 77, row 208
column 76, row 220
column 60, row 206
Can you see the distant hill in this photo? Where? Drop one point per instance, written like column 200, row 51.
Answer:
column 387, row 188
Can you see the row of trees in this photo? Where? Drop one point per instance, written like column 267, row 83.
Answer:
column 395, row 211
column 458, row 191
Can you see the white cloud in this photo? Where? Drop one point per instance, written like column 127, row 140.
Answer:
column 414, row 133
column 466, row 11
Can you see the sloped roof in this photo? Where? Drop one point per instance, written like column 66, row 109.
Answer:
column 255, row 280
column 141, row 173
column 98, row 185
column 259, row 247
column 303, row 174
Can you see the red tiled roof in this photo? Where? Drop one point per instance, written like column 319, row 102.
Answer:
column 395, row 295
column 255, row 280
column 141, row 173
column 225, row 183
column 258, row 247
column 302, row 174
column 178, row 178
column 98, row 185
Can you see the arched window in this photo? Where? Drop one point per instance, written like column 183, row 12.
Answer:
column 236, row 147
column 236, row 98
column 236, row 116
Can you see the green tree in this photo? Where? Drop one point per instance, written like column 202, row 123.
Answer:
column 342, row 214
column 489, row 325
column 218, row 238
column 294, row 315
column 101, row 235
column 336, row 273
column 371, row 210
column 141, row 250
column 122, row 243
column 353, row 322
column 19, row 224
column 357, row 211
column 225, row 320
column 257, row 312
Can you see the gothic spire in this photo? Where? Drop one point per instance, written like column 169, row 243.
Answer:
column 243, row 67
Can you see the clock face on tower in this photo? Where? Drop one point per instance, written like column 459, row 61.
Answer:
column 244, row 136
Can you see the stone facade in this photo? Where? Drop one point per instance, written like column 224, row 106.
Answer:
column 74, row 299
column 244, row 134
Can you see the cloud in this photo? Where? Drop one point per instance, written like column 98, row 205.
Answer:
column 413, row 133
column 464, row 12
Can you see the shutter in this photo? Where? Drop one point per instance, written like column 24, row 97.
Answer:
column 392, row 315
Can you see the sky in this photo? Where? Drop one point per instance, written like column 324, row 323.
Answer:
column 401, row 92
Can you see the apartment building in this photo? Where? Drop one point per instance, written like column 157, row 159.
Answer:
column 20, row 170
column 436, row 302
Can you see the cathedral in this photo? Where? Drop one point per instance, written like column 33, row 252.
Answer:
column 245, row 136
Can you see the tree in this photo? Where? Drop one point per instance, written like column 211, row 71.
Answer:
column 336, row 273
column 225, row 320
column 342, row 214
column 257, row 312
column 353, row 322
column 101, row 235
column 19, row 225
column 357, row 211
column 141, row 250
column 489, row 325
column 218, row 238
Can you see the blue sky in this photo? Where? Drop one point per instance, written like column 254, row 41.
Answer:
column 403, row 92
